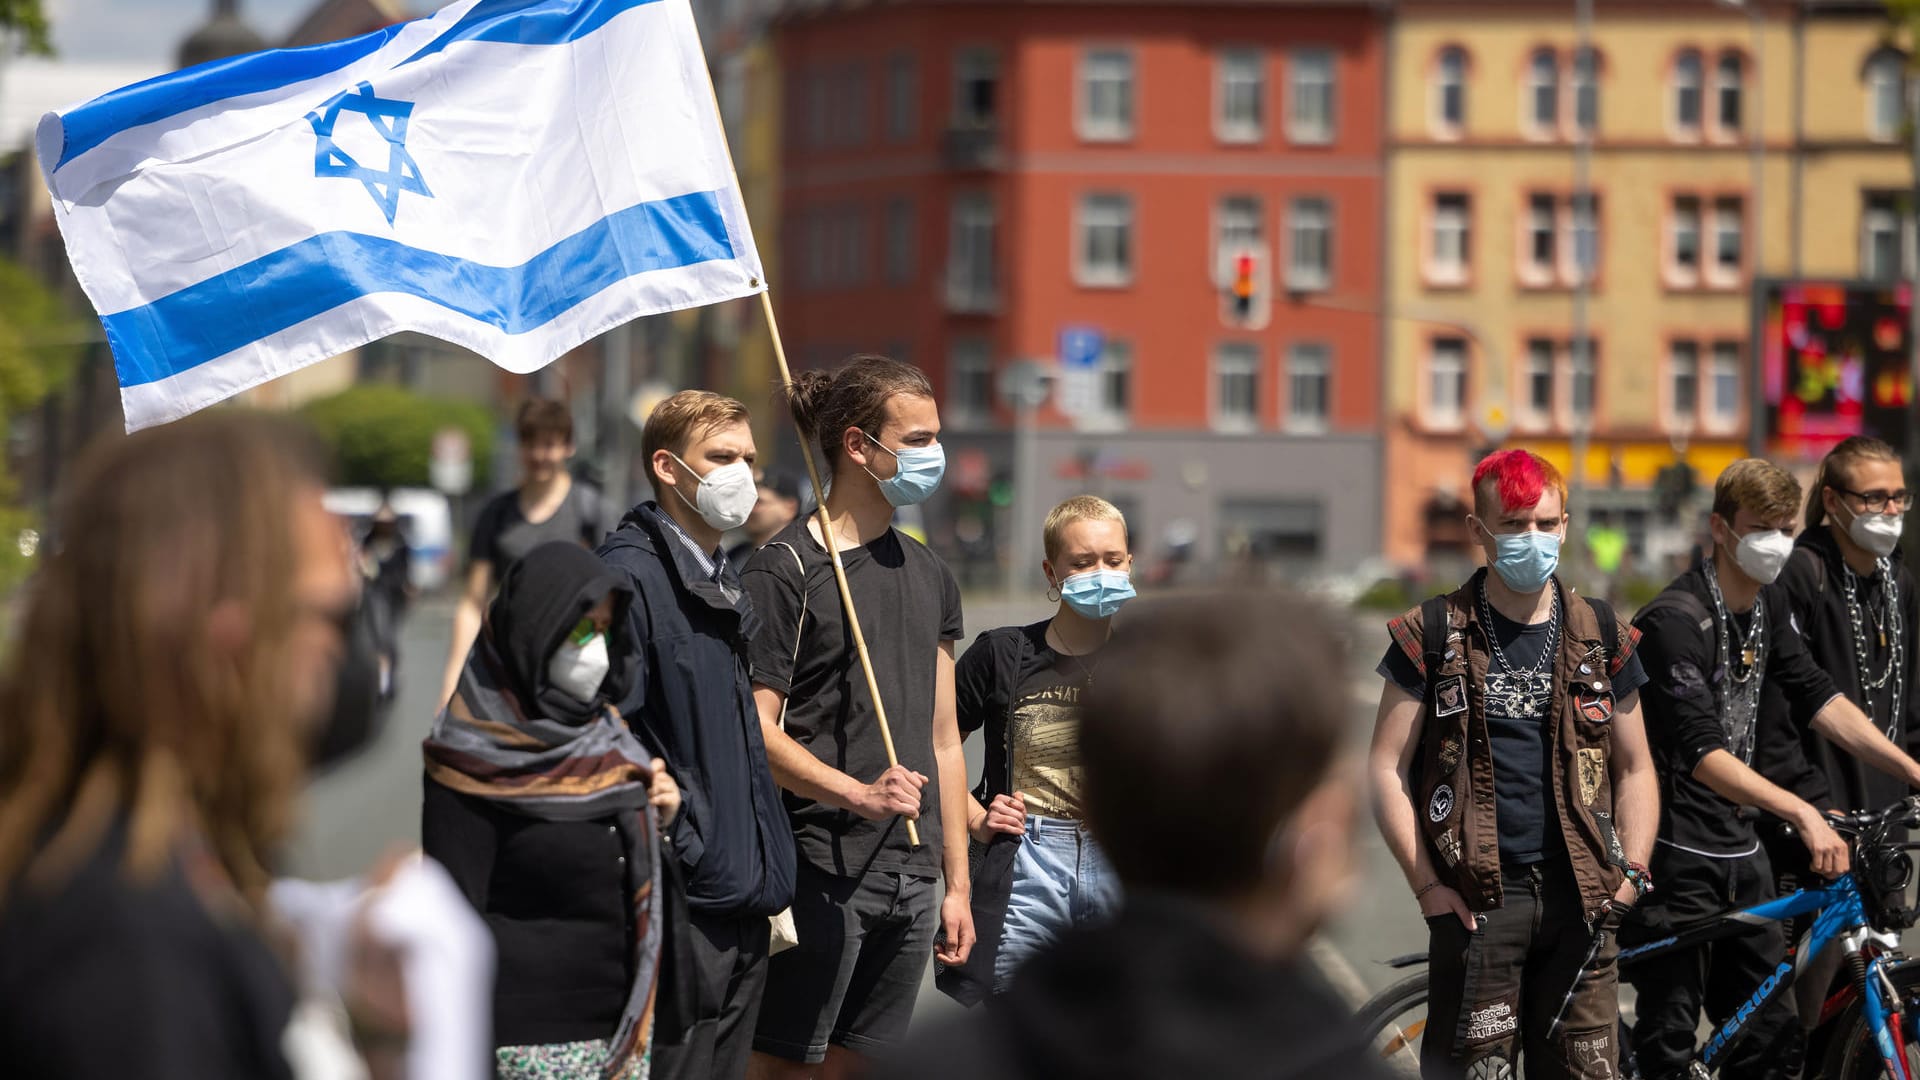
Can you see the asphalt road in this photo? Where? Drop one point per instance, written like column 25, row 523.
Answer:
column 373, row 802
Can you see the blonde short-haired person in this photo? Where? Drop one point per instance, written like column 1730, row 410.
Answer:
column 1041, row 872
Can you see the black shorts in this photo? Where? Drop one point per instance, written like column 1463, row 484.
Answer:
column 864, row 947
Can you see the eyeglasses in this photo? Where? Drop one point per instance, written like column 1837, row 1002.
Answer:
column 583, row 632
column 1876, row 502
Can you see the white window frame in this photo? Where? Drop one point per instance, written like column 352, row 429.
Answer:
column 903, row 97
column 973, row 282
column 1729, row 221
column 1104, row 210
column 1313, row 79
column 1583, row 82
column 1573, row 229
column 1539, row 356
column 1450, row 67
column 1689, row 77
column 1232, row 237
column 1579, row 374
column 1883, row 208
column 1240, row 359
column 1450, row 238
column 1885, row 80
column 1543, row 77
column 1308, row 360
column 1302, row 276
column 1686, row 215
column 1238, row 69
column 1116, row 358
column 1683, row 365
column 971, row 64
column 1724, row 359
column 1721, row 86
column 1542, row 210
column 969, row 365
column 1115, row 68
column 1457, row 371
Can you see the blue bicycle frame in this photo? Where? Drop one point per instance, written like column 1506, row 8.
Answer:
column 1842, row 917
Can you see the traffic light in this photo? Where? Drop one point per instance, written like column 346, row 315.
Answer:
column 1243, row 287
column 1245, row 291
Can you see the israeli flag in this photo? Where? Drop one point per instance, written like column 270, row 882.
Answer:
column 513, row 176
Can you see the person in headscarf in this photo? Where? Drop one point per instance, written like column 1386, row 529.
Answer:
column 548, row 812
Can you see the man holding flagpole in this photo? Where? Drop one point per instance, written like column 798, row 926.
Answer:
column 865, row 900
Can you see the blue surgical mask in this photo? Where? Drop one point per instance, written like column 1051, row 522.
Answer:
column 1098, row 593
column 917, row 472
column 1525, row 560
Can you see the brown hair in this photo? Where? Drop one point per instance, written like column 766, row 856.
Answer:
column 1219, row 705
column 1833, row 470
column 540, row 418
column 1078, row 508
column 1758, row 486
column 826, row 404
column 117, row 709
column 682, row 418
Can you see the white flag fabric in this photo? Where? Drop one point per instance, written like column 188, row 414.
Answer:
column 513, row 176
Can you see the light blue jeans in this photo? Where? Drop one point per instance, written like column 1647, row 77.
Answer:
column 1060, row 879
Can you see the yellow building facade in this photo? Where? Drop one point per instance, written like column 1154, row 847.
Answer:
column 1727, row 145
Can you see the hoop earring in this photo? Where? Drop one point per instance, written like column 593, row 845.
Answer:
column 1053, row 594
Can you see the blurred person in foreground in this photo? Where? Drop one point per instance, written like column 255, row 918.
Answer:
column 1037, row 870
column 548, row 812
column 776, row 503
column 1213, row 783
column 547, row 505
column 174, row 673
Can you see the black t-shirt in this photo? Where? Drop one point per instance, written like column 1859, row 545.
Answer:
column 1522, row 765
column 1045, row 734
column 502, row 534
column 1682, row 650
column 908, row 603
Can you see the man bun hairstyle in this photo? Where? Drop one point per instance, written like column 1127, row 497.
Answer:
column 1758, row 486
column 540, row 418
column 1834, row 471
column 1518, row 479
column 825, row 405
column 677, row 422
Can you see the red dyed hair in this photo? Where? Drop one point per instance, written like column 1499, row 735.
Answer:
column 1520, row 477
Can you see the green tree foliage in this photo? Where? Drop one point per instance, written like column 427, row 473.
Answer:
column 382, row 436
column 28, row 23
column 39, row 348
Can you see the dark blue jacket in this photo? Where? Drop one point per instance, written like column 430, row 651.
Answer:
column 692, row 698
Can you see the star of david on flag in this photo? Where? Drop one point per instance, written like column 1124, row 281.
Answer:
column 389, row 119
column 579, row 179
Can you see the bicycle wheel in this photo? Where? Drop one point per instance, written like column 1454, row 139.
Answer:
column 1851, row 1054
column 1395, row 1021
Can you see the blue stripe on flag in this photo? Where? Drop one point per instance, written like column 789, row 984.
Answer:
column 211, row 318
column 519, row 22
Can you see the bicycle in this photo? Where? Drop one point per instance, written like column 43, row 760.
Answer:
column 1865, row 1028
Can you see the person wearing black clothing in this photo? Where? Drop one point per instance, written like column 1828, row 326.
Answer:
column 866, row 906
column 531, row 798
column 1710, row 643
column 690, row 694
column 1215, row 782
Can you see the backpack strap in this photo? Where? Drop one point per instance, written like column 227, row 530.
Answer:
column 799, row 627
column 1609, row 630
column 1684, row 602
column 1434, row 631
column 1815, row 563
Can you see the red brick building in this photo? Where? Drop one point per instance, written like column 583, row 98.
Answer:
column 961, row 183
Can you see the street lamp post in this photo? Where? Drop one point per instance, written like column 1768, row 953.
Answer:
column 1586, row 84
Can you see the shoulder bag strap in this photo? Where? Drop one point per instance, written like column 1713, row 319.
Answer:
column 798, row 629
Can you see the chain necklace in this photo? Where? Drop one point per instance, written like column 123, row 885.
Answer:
column 1085, row 671
column 1887, row 622
column 1740, row 701
column 1512, row 691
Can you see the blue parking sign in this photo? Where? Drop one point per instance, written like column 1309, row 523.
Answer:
column 1080, row 346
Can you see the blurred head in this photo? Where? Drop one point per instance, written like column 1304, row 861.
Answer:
column 865, row 414
column 1221, row 708
column 184, row 640
column 1084, row 534
column 690, row 435
column 1861, row 480
column 776, row 504
column 545, row 430
column 1756, row 505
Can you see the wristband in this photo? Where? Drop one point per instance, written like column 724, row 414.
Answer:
column 1425, row 889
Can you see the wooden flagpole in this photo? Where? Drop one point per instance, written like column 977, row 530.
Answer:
column 833, row 550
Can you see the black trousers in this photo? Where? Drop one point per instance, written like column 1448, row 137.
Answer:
column 729, row 962
column 1718, row 977
column 1493, row 992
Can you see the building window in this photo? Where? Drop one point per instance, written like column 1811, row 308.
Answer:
column 855, row 102
column 903, row 98
column 1688, row 74
column 1685, row 243
column 1115, row 373
column 1540, row 381
column 1309, row 245
column 1727, row 93
column 1104, row 247
column 1309, row 372
column 1883, row 254
column 1543, row 94
column 970, row 370
column 1683, row 375
column 1725, row 402
column 1586, row 92
column 971, row 281
column 1541, row 229
column 1240, row 94
column 1447, row 381
column 1729, row 220
column 1450, row 91
column 1583, row 242
column 1237, row 232
column 1310, row 96
column 1450, row 241
column 1886, row 82
column 1582, row 361
column 901, row 226
column 819, row 109
column 1106, row 95
column 1236, row 382
column 976, row 88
